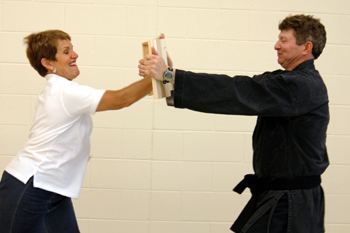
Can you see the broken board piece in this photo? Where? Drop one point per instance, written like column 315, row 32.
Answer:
column 159, row 89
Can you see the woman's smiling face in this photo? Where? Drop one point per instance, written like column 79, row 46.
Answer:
column 66, row 58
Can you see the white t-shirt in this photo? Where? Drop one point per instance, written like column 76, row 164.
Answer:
column 58, row 148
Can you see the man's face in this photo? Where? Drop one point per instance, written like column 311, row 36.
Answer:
column 289, row 53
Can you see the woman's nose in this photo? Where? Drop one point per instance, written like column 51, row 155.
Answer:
column 75, row 55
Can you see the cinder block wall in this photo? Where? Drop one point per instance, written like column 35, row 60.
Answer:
column 158, row 169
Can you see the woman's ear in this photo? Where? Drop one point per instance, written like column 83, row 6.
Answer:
column 46, row 63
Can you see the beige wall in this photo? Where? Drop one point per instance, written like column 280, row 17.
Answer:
column 158, row 169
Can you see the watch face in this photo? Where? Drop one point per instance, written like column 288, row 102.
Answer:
column 168, row 76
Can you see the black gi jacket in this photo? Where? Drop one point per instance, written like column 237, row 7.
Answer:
column 289, row 137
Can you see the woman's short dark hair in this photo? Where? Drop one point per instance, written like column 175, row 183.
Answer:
column 43, row 45
column 306, row 29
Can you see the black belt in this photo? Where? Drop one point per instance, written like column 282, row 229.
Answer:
column 259, row 185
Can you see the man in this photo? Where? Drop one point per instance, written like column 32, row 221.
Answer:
column 290, row 134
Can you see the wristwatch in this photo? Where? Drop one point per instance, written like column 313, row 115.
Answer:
column 168, row 75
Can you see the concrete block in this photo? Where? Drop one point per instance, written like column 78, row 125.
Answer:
column 217, row 24
column 110, row 51
column 332, row 122
column 180, row 119
column 15, row 110
column 235, row 123
column 190, row 3
column 135, row 205
column 131, row 75
column 98, row 204
column 12, row 48
column 214, row 207
column 181, row 176
column 266, row 60
column 87, row 176
column 343, row 6
column 175, row 227
column 340, row 114
column 213, row 146
column 113, row 226
column 248, row 148
column 182, row 52
column 84, row 46
column 107, row 78
column 316, row 6
column 165, row 206
column 137, row 25
column 12, row 139
column 33, row 100
column 1, row 18
column 336, row 91
column 335, row 180
column 137, row 144
column 137, row 116
column 83, row 225
column 23, row 16
column 20, row 79
column 337, row 228
column 4, row 160
column 121, row 174
column 250, row 5
column 129, row 2
column 177, row 18
column 161, row 150
column 263, row 25
column 95, row 19
column 68, row 1
column 227, row 175
column 331, row 60
column 106, row 143
column 337, row 209
column 338, row 149
column 220, row 227
column 335, row 36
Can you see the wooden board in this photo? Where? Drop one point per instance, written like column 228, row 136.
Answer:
column 160, row 90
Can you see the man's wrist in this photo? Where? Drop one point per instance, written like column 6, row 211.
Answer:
column 173, row 81
column 168, row 75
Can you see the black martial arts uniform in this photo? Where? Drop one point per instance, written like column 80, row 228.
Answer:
column 288, row 141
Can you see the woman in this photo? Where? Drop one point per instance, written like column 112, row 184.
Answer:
column 38, row 184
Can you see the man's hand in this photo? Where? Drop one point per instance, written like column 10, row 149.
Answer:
column 170, row 62
column 154, row 65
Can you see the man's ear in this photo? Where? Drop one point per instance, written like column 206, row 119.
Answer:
column 46, row 63
column 308, row 48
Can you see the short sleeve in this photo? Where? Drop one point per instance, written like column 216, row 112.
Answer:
column 79, row 99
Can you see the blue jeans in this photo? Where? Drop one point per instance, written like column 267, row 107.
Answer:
column 24, row 209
